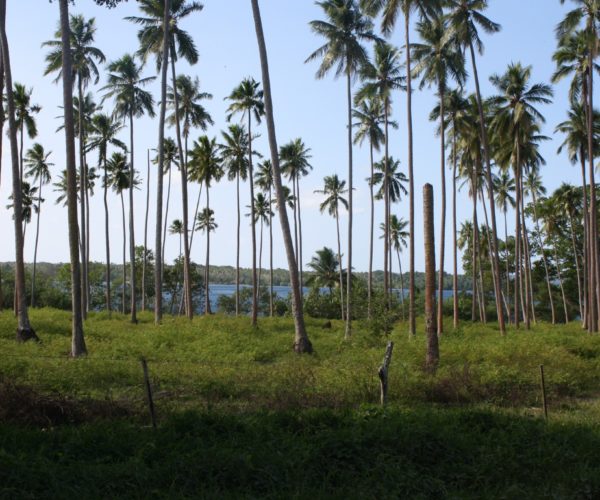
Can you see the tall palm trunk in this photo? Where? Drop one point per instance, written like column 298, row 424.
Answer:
column 299, row 235
column 107, row 239
column 339, row 249
column 77, row 340
column 207, row 266
column 237, row 254
column 560, row 280
column 193, row 231
column 594, row 292
column 145, row 258
column 82, row 207
column 37, row 237
column 386, row 210
column 411, row 184
column 132, row 289
column 518, row 286
column 529, row 305
column 454, row 229
column 348, row 332
column 124, row 253
column 371, row 234
column 401, row 284
column 187, row 285
column 577, row 267
column 490, row 187
column 586, row 308
column 252, row 212
column 164, row 228
column 295, row 218
column 260, row 247
column 24, row 330
column 161, row 153
column 302, row 343
column 271, row 311
column 440, row 304
column 506, row 258
column 433, row 354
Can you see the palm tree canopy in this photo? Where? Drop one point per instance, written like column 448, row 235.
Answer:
column 104, row 131
column 325, row 269
column 464, row 18
column 29, row 201
column 398, row 234
column 294, row 158
column 205, row 162
column 85, row 57
column 118, row 170
column 246, row 98
column 396, row 179
column 176, row 227
column 25, row 110
column 390, row 9
column 125, row 85
column 234, row 152
column 575, row 129
column 333, row 190
column 504, row 186
column 36, row 159
column 205, row 220
column 191, row 112
column 370, row 118
column 262, row 209
column 345, row 31
column 150, row 35
column 263, row 177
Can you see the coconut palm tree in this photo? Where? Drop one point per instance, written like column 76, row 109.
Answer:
column 345, row 31
column 369, row 118
column 264, row 180
column 399, row 238
column 302, row 343
column 382, row 78
column 325, row 270
column 25, row 116
column 334, row 190
column 439, row 59
column 104, row 132
column 464, row 19
column 262, row 213
column 176, row 227
column 206, row 222
column 170, row 159
column 235, row 160
column 205, row 167
column 247, row 100
column 38, row 166
column 84, row 60
column 294, row 164
column 390, row 10
column 515, row 121
column 126, row 87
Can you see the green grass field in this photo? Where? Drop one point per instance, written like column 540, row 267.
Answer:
column 240, row 415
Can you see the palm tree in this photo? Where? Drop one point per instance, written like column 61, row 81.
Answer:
column 206, row 222
column 464, row 18
column 263, row 214
column 235, row 160
column 381, row 79
column 264, row 180
column 294, row 164
column 369, row 115
column 176, row 227
column 170, row 158
column 84, row 60
column 345, row 31
column 125, row 85
column 333, row 190
column 439, row 59
column 325, row 269
column 247, row 99
column 205, row 167
column 39, row 169
column 399, row 237
column 390, row 9
column 515, row 121
column 25, row 112
column 104, row 131
column 302, row 343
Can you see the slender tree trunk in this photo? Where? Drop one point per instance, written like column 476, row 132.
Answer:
column 107, row 240
column 433, row 353
column 237, row 255
column 527, row 249
column 145, row 257
column 132, row 227
column 401, row 285
column 161, row 156
column 24, row 330
column 454, row 228
column 560, row 281
column 164, row 228
column 518, row 287
column 440, row 304
column 187, row 285
column 348, row 333
column 593, row 226
column 490, row 187
column 584, row 319
column 82, row 190
column 252, row 212
column 207, row 266
column 195, row 217
column 386, row 210
column 525, row 254
column 260, row 246
column 37, row 237
column 124, row 253
column 339, row 248
column 299, row 237
column 370, row 283
column 87, row 238
column 271, row 311
column 2, row 118
column 506, row 258
column 577, row 267
column 296, row 246
column 544, row 259
column 302, row 343
column 411, row 185
column 77, row 340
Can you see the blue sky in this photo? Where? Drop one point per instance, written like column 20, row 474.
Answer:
column 304, row 107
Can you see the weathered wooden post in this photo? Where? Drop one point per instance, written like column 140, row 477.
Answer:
column 433, row 353
column 149, row 392
column 383, row 372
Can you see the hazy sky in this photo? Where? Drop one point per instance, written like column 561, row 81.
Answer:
column 304, row 107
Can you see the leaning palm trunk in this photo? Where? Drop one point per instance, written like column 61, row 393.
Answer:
column 37, row 237
column 348, row 333
column 529, row 285
column 260, row 247
column 302, row 343
column 187, row 285
column 161, row 152
column 77, row 341
column 131, row 227
column 517, row 292
column 145, row 258
column 24, row 330
column 107, row 240
column 490, row 188
column 440, row 304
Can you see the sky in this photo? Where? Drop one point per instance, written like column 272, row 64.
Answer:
column 314, row 110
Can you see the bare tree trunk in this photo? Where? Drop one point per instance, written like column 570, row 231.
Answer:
column 124, row 253
column 577, row 267
column 454, row 227
column 37, row 237
column 193, row 231
column 348, row 332
column 158, row 272
column 440, row 311
column 107, row 240
column 207, row 266
column 237, row 255
column 77, row 340
column 586, row 309
column 386, row 210
column 517, row 293
column 131, row 226
column 302, row 343
column 252, row 212
column 370, row 283
column 299, row 238
column 164, row 229
column 401, row 284
column 145, row 259
column 82, row 190
column 339, row 249
column 433, row 354
column 24, row 330
column 560, row 282
column 271, row 310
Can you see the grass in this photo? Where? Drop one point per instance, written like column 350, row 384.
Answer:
column 240, row 415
